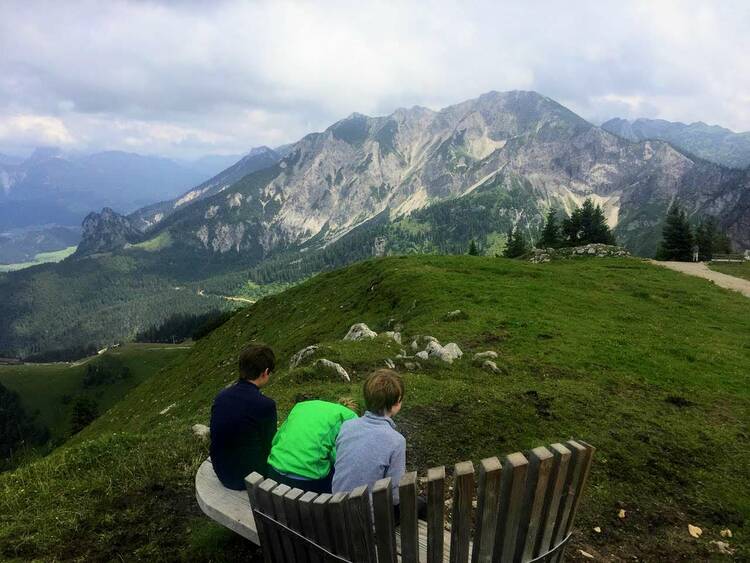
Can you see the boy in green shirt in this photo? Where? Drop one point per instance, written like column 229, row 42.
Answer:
column 303, row 451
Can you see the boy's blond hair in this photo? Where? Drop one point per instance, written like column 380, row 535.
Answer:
column 383, row 389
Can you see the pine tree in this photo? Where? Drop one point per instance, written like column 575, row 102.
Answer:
column 587, row 225
column 705, row 236
column 516, row 245
column 473, row 251
column 677, row 238
column 551, row 237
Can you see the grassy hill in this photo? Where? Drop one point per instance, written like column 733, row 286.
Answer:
column 49, row 389
column 648, row 365
column 740, row 270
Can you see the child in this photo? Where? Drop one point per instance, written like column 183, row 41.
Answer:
column 243, row 421
column 303, row 451
column 370, row 448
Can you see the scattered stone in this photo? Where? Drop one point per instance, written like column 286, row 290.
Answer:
column 396, row 336
column 457, row 315
column 586, row 554
column 414, row 345
column 411, row 366
column 334, row 367
column 599, row 250
column 621, row 514
column 446, row 353
column 389, row 363
column 423, row 355
column 302, row 355
column 694, row 531
column 170, row 407
column 488, row 355
column 429, row 339
column 597, row 529
column 723, row 547
column 360, row 331
column 454, row 350
column 201, row 431
column 726, row 533
column 490, row 366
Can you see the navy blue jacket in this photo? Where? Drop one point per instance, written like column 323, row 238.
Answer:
column 243, row 424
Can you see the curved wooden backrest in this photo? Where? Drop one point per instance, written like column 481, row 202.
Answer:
column 525, row 507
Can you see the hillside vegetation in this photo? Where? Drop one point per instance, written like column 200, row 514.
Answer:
column 648, row 365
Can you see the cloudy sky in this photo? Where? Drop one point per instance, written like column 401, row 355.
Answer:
column 189, row 78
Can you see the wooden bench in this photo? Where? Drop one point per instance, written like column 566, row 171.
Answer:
column 524, row 511
column 738, row 258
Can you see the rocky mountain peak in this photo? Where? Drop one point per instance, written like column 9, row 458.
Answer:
column 105, row 231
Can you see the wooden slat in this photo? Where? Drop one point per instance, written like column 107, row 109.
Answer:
column 408, row 507
column 322, row 522
column 291, row 510
column 575, row 470
column 558, row 475
column 463, row 491
column 287, row 543
column 307, row 521
column 252, row 483
column 435, row 514
column 589, row 458
column 360, row 525
column 537, row 480
column 265, row 505
column 512, row 488
column 339, row 528
column 488, row 503
column 382, row 500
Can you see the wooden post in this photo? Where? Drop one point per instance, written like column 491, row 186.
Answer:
column 340, row 529
column 463, row 491
column 385, row 533
column 322, row 522
column 408, row 506
column 558, row 475
column 488, row 504
column 512, row 487
column 252, row 483
column 265, row 505
column 435, row 514
column 307, row 520
column 294, row 521
column 575, row 470
column 277, row 496
column 540, row 464
column 360, row 525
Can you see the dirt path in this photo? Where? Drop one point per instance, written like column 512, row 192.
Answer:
column 702, row 271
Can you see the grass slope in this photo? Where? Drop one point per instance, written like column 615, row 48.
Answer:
column 42, row 387
column 732, row 268
column 40, row 258
column 649, row 365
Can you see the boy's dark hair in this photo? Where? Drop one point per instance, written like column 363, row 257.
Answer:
column 254, row 360
column 383, row 389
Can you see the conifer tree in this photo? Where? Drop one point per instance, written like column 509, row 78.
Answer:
column 677, row 238
column 587, row 225
column 473, row 251
column 705, row 235
column 551, row 237
column 516, row 245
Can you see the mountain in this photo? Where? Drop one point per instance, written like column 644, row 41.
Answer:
column 210, row 165
column 51, row 187
column 711, row 142
column 105, row 231
column 22, row 245
column 415, row 181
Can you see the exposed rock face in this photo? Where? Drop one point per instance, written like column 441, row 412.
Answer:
column 104, row 232
column 446, row 353
column 360, row 331
column 302, row 355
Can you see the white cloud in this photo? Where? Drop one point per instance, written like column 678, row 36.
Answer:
column 181, row 78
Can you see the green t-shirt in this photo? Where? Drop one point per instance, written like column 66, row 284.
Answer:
column 305, row 443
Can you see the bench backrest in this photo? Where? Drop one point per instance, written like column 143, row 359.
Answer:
column 525, row 507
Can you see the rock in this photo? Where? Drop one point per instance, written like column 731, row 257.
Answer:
column 456, row 315
column 166, row 410
column 453, row 349
column 334, row 367
column 201, row 431
column 414, row 346
column 488, row 355
column 360, row 331
column 389, row 363
column 396, row 336
column 694, row 531
column 621, row 514
column 723, row 547
column 490, row 366
column 423, row 355
column 302, row 355
column 726, row 533
column 429, row 339
column 585, row 554
column 411, row 366
column 597, row 529
column 446, row 353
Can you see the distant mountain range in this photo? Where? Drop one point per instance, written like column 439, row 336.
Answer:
column 711, row 142
column 417, row 180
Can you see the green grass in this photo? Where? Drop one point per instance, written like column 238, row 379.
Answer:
column 41, row 258
column 160, row 241
column 649, row 365
column 42, row 387
column 740, row 270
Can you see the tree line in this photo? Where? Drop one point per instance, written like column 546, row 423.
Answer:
column 684, row 242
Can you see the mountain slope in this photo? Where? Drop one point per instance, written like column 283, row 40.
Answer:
column 646, row 364
column 711, row 142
